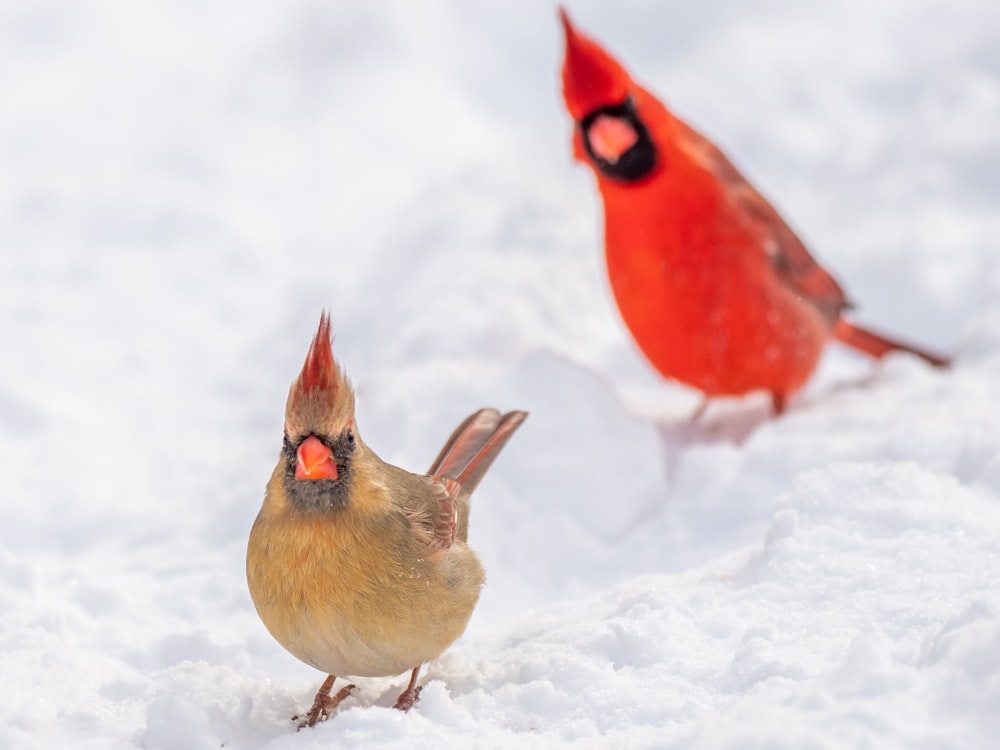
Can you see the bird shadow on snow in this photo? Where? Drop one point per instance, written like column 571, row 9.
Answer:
column 721, row 421
column 734, row 420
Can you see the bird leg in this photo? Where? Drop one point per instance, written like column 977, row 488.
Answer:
column 778, row 401
column 409, row 696
column 700, row 411
column 323, row 704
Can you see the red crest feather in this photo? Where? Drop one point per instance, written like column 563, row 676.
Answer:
column 321, row 399
column 591, row 77
column 319, row 370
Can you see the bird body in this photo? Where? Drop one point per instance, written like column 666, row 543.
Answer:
column 716, row 289
column 352, row 599
column 355, row 566
column 668, row 296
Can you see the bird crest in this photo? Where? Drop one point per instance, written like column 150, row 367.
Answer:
column 591, row 77
column 321, row 399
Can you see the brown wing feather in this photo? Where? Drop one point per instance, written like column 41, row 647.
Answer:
column 443, row 518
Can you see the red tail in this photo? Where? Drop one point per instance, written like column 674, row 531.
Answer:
column 878, row 346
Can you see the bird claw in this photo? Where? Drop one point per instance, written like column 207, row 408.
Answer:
column 407, row 698
column 323, row 704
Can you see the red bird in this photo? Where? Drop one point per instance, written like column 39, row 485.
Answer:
column 716, row 289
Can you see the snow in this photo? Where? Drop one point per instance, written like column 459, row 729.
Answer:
column 186, row 185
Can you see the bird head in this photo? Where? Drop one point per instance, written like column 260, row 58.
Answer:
column 320, row 436
column 601, row 97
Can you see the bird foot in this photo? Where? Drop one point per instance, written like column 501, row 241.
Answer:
column 407, row 698
column 323, row 704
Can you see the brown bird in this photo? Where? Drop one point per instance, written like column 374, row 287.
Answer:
column 356, row 566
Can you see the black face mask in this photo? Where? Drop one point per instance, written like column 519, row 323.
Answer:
column 639, row 160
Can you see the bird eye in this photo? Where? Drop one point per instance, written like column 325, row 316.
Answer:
column 350, row 437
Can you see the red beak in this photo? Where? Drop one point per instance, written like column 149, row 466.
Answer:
column 313, row 460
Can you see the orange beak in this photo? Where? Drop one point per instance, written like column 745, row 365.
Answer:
column 313, row 460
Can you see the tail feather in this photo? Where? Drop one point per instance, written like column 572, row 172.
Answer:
column 464, row 443
column 470, row 451
column 877, row 345
column 474, row 445
column 473, row 472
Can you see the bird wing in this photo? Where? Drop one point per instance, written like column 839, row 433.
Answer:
column 432, row 510
column 789, row 258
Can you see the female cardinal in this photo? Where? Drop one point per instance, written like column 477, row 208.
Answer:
column 716, row 289
column 358, row 567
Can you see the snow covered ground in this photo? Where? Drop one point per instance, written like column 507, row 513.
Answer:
column 185, row 185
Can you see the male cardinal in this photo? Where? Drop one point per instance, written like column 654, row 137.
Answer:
column 358, row 567
column 716, row 289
